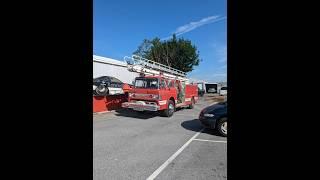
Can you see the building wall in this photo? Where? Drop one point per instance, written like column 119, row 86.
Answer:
column 110, row 67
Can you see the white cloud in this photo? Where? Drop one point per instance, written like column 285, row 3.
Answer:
column 193, row 25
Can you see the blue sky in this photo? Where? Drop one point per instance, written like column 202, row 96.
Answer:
column 119, row 26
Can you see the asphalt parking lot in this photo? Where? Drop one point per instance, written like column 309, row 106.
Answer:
column 130, row 145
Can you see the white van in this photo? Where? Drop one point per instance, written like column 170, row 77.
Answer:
column 223, row 91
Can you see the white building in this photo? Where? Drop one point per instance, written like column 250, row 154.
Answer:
column 103, row 66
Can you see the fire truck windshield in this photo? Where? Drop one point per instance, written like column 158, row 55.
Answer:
column 149, row 83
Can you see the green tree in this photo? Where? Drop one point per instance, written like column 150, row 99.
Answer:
column 177, row 53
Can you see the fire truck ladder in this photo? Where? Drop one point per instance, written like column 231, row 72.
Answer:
column 142, row 65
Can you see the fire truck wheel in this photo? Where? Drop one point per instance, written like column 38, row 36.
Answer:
column 191, row 106
column 170, row 110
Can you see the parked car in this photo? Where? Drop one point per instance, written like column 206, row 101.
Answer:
column 223, row 91
column 215, row 117
column 107, row 85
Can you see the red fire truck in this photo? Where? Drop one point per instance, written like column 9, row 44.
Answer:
column 159, row 88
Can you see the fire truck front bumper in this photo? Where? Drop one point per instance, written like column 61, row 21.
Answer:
column 140, row 106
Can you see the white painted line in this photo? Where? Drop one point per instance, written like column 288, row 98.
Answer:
column 167, row 162
column 210, row 140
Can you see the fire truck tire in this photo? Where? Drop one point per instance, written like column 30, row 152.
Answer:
column 191, row 106
column 170, row 109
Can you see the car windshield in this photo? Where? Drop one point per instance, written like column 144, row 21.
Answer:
column 151, row 83
column 224, row 88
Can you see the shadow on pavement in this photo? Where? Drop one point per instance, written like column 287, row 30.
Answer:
column 196, row 126
column 141, row 115
column 136, row 114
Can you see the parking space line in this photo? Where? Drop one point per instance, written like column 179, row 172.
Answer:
column 205, row 140
column 167, row 162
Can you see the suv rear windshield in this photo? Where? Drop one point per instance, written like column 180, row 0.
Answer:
column 149, row 83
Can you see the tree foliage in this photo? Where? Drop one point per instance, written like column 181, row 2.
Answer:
column 177, row 53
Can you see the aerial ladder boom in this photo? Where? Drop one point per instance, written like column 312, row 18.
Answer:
column 141, row 65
